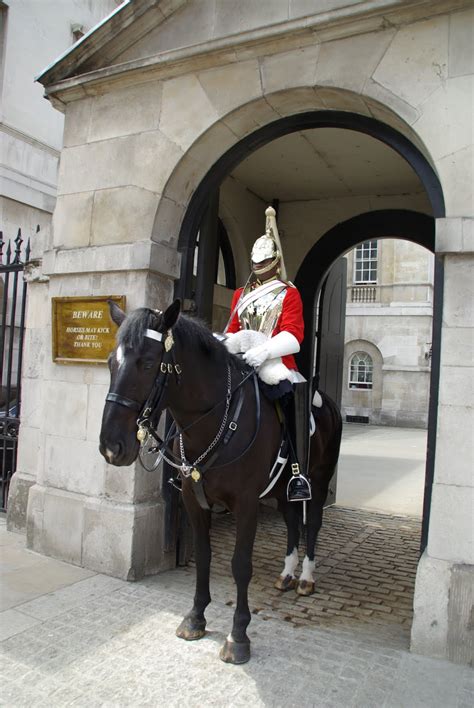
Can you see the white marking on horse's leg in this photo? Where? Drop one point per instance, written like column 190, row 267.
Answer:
column 229, row 637
column 308, row 570
column 291, row 562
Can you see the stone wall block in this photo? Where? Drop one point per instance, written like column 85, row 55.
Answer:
column 214, row 143
column 20, row 485
column 342, row 100
column 76, row 123
column 34, row 518
column 289, row 69
column 456, row 172
column 32, row 404
column 186, row 178
column 148, row 556
column 416, row 63
column 229, row 87
column 73, row 465
column 118, row 162
column 119, row 482
column 165, row 260
column 108, row 537
column 72, row 220
column 38, row 306
column 104, row 259
column 456, row 385
column 396, row 105
column 30, row 450
column 451, row 532
column 124, row 111
column 297, row 100
column 66, row 404
column 458, row 293
column 455, row 446
column 461, row 43
column 445, row 125
column 122, row 215
column 246, row 15
column 77, row 373
column 187, row 111
column 457, row 346
column 34, row 342
column 248, row 118
column 348, row 63
column 159, row 291
column 167, row 221
column 430, row 622
column 55, row 523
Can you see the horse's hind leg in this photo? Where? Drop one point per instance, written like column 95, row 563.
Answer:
column 287, row 579
column 193, row 625
column 314, row 522
column 236, row 649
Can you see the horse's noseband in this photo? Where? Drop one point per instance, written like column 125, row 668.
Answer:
column 148, row 410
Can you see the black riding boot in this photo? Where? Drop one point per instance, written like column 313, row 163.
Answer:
column 297, row 417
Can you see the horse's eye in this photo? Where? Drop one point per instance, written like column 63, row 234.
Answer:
column 148, row 365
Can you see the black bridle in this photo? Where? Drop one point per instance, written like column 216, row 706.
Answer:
column 150, row 411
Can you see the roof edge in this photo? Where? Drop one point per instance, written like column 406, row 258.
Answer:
column 102, row 34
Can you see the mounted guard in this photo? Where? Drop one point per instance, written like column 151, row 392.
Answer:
column 266, row 325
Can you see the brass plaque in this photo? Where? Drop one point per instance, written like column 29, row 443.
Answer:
column 83, row 332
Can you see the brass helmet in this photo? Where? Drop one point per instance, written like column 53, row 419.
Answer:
column 268, row 246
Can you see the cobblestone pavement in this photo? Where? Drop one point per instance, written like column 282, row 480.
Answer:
column 99, row 641
column 366, row 566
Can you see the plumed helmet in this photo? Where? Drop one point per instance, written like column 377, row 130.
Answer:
column 263, row 248
column 268, row 245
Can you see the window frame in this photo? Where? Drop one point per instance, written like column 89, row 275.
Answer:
column 366, row 263
column 367, row 371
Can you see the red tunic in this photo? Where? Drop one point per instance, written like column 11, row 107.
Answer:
column 290, row 320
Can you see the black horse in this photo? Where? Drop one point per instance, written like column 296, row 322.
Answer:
column 229, row 439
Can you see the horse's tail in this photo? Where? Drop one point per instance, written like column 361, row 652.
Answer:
column 333, row 424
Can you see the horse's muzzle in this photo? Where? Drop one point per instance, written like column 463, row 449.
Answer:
column 116, row 454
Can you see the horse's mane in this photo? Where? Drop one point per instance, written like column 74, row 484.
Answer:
column 189, row 331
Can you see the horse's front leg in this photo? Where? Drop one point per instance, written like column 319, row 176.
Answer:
column 236, row 649
column 193, row 625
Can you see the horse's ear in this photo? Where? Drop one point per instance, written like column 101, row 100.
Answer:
column 116, row 313
column 171, row 314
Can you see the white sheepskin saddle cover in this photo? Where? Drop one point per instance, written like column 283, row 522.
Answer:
column 271, row 371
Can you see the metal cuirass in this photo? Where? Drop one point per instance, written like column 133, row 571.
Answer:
column 262, row 314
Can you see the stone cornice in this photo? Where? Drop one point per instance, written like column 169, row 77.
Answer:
column 25, row 138
column 367, row 16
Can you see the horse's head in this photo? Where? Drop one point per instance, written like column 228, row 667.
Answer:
column 139, row 366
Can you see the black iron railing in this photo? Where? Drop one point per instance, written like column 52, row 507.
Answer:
column 13, row 293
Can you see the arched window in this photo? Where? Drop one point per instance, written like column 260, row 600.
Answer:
column 360, row 371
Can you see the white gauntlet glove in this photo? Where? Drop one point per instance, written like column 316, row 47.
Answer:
column 282, row 344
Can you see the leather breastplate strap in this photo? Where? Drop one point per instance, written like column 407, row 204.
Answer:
column 198, row 485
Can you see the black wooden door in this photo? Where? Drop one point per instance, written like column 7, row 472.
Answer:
column 330, row 327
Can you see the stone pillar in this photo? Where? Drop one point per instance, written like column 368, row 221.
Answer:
column 444, row 592
column 80, row 509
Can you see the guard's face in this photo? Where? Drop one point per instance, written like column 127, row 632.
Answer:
column 256, row 267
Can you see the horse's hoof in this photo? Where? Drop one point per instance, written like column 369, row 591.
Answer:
column 235, row 652
column 285, row 583
column 191, row 629
column 305, row 587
